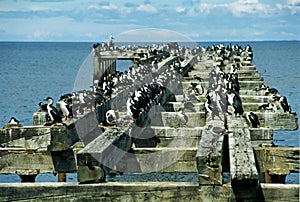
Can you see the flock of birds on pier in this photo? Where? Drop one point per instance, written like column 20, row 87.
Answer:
column 228, row 83
column 146, row 94
column 72, row 105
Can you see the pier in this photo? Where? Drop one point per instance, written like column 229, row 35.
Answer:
column 213, row 138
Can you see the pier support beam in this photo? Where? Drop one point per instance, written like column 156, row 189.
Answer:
column 209, row 154
column 242, row 162
column 62, row 177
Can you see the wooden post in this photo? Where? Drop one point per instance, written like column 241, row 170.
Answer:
column 273, row 178
column 62, row 177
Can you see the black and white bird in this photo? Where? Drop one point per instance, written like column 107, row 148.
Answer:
column 208, row 104
column 43, row 107
column 285, row 106
column 197, row 88
column 252, row 119
column 197, row 78
column 13, row 121
column 111, row 117
column 65, row 109
column 235, row 101
column 182, row 117
column 268, row 106
column 54, row 114
column 273, row 91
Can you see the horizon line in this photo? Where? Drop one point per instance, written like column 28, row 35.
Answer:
column 197, row 41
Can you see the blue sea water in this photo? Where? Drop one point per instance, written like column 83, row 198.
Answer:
column 31, row 71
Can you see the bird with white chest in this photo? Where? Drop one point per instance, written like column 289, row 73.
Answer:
column 182, row 117
column 53, row 113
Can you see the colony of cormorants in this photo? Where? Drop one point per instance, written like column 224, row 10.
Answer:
column 222, row 95
column 143, row 95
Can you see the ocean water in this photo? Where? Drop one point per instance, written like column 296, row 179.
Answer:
column 31, row 71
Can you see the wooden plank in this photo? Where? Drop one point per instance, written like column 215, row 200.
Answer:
column 165, row 136
column 25, row 161
column 241, row 156
column 278, row 120
column 281, row 192
column 28, row 136
column 276, row 161
column 195, row 119
column 167, row 159
column 107, row 149
column 209, row 154
column 145, row 191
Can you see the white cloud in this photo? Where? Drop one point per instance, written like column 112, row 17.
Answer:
column 179, row 9
column 292, row 6
column 110, row 7
column 241, row 7
column 293, row 2
column 147, row 8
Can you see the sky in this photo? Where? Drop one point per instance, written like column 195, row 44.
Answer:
column 198, row 20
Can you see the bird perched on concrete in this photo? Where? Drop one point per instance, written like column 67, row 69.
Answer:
column 284, row 105
column 43, row 107
column 197, row 88
column 13, row 122
column 252, row 119
column 235, row 101
column 54, row 114
column 182, row 117
column 273, row 91
column 65, row 109
column 111, row 117
column 208, row 104
column 268, row 106
column 197, row 78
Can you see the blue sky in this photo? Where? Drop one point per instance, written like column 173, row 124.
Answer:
column 199, row 20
